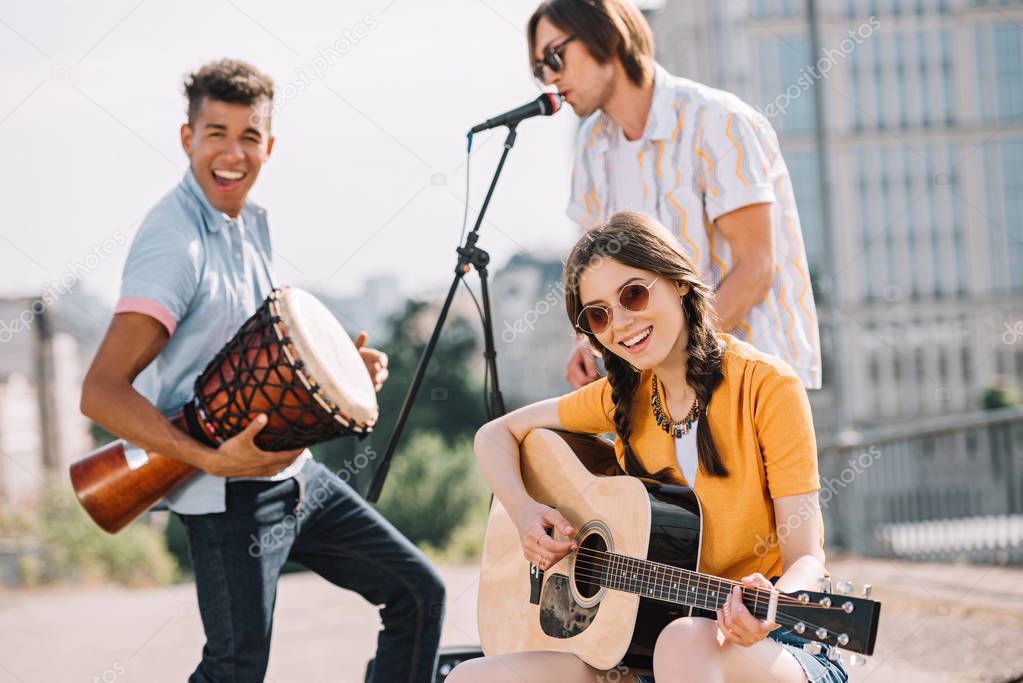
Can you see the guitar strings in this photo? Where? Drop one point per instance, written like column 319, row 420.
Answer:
column 782, row 618
column 701, row 579
column 702, row 589
column 644, row 583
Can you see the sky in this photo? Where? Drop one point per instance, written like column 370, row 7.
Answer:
column 367, row 176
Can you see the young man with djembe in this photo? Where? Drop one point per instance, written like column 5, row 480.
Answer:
column 199, row 266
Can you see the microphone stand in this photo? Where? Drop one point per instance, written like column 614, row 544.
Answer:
column 469, row 256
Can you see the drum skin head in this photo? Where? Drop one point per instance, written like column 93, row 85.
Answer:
column 329, row 354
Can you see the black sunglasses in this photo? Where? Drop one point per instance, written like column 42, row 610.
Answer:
column 552, row 60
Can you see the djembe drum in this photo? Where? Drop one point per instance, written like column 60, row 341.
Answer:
column 292, row 361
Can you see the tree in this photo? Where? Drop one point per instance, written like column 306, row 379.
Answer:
column 434, row 488
column 450, row 399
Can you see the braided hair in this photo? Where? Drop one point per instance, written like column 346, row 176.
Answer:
column 638, row 241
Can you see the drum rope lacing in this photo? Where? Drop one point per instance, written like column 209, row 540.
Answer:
column 265, row 361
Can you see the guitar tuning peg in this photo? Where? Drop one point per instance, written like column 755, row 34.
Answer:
column 845, row 586
column 812, row 648
column 834, row 654
column 857, row 660
column 866, row 590
column 824, row 584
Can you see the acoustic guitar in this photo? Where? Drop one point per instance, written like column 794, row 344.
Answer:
column 636, row 569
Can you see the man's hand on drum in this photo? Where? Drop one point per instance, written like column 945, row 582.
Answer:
column 376, row 361
column 239, row 456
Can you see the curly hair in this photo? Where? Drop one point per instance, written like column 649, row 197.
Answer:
column 227, row 80
column 638, row 241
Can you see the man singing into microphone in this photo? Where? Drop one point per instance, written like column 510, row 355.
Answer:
column 199, row 266
column 700, row 160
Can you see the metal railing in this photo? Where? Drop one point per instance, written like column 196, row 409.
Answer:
column 940, row 488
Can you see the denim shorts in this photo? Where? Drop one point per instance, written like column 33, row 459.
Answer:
column 818, row 668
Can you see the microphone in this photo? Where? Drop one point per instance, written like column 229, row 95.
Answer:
column 544, row 105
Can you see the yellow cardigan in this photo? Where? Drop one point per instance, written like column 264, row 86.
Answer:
column 760, row 420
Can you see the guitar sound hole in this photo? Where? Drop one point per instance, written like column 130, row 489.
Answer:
column 589, row 565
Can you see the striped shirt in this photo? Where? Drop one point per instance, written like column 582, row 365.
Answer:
column 704, row 153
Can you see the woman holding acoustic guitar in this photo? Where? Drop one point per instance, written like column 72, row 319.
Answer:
column 689, row 406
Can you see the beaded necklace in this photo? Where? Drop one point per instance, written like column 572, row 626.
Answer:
column 664, row 421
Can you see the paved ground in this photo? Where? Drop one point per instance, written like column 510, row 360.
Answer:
column 941, row 623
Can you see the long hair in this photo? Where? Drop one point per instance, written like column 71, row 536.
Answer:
column 638, row 241
column 607, row 28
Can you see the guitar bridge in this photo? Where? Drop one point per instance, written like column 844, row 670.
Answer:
column 535, row 584
column 536, row 579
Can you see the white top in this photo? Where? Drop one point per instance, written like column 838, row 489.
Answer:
column 626, row 165
column 704, row 153
column 687, row 455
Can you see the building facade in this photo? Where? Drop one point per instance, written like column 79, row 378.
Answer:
column 41, row 428
column 531, row 330
column 903, row 134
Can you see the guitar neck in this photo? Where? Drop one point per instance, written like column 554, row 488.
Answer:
column 663, row 582
column 849, row 622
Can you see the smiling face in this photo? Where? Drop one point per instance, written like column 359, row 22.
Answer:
column 648, row 338
column 227, row 144
column 585, row 83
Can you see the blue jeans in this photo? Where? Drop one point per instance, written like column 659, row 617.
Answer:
column 319, row 522
column 818, row 668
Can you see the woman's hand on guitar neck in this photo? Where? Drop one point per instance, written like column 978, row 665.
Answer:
column 735, row 621
column 533, row 520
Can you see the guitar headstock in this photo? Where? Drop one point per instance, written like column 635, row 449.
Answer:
column 836, row 619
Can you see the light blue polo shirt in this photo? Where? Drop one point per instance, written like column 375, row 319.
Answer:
column 201, row 274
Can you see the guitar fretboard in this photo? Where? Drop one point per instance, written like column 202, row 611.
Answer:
column 672, row 584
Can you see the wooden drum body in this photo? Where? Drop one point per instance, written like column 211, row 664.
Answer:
column 292, row 361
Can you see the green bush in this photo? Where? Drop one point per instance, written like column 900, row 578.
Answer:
column 1001, row 395
column 436, row 496
column 466, row 541
column 57, row 542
